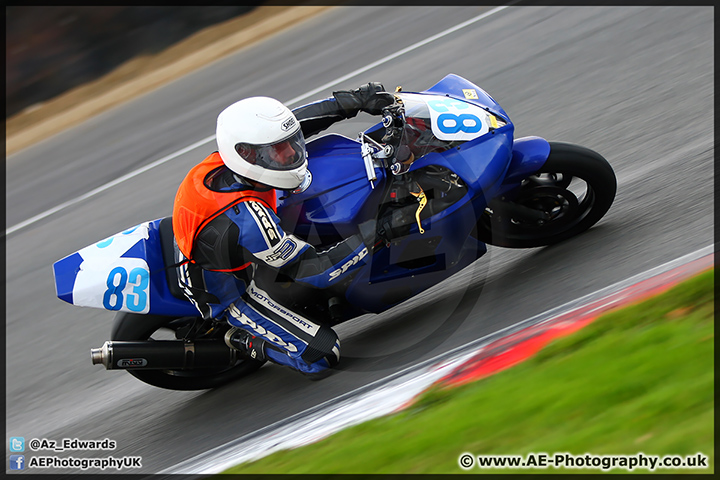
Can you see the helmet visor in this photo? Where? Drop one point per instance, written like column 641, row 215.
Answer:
column 286, row 154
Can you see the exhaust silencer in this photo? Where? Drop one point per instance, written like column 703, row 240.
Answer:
column 163, row 355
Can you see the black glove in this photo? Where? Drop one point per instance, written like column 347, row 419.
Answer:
column 370, row 98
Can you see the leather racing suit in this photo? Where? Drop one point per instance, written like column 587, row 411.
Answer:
column 227, row 247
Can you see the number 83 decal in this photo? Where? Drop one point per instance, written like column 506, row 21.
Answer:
column 127, row 289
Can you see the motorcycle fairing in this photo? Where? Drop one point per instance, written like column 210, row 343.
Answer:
column 529, row 154
column 416, row 262
column 124, row 272
column 339, row 197
column 447, row 245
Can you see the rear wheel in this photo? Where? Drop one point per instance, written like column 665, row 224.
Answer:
column 570, row 193
column 134, row 327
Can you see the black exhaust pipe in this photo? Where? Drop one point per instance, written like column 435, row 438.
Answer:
column 163, row 355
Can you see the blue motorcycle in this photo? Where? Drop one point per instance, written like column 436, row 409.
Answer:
column 441, row 175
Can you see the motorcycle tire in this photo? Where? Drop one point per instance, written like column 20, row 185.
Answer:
column 135, row 327
column 552, row 193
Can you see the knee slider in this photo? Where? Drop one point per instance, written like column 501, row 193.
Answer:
column 325, row 345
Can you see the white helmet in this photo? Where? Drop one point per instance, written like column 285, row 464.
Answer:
column 259, row 138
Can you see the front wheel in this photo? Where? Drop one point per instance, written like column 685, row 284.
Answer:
column 135, row 327
column 570, row 193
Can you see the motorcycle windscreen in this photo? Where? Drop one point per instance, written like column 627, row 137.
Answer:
column 439, row 122
column 459, row 87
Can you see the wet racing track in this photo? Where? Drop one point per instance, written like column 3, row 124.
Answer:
column 635, row 84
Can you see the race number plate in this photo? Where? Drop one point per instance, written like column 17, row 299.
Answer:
column 110, row 278
column 454, row 120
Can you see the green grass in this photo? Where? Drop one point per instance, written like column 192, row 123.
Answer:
column 639, row 379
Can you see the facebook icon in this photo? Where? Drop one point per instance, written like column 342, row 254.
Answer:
column 17, row 462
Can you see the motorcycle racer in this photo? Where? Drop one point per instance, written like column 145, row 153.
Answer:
column 227, row 230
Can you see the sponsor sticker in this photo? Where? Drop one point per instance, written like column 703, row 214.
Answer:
column 245, row 320
column 282, row 252
column 131, row 362
column 268, row 226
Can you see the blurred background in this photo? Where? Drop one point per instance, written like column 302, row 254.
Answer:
column 50, row 50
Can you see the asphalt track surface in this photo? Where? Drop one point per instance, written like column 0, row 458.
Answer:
column 633, row 83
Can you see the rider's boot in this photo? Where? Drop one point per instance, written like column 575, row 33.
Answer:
column 248, row 344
